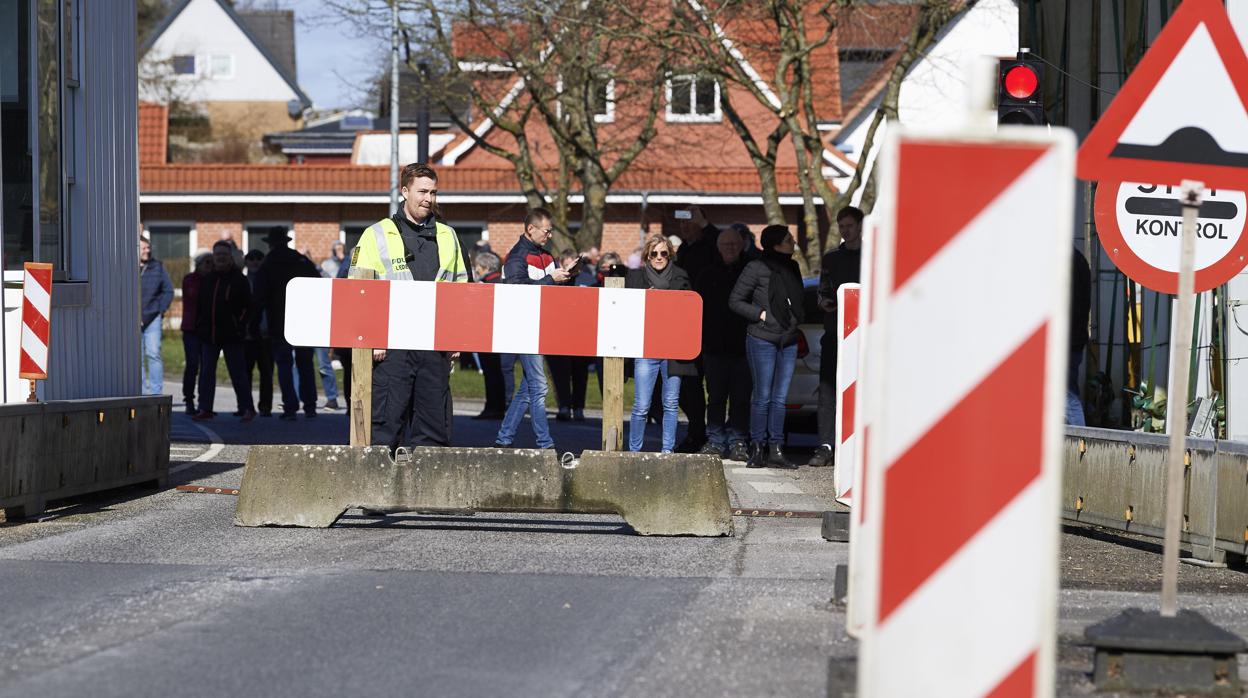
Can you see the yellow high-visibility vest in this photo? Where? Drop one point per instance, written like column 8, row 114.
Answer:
column 392, row 264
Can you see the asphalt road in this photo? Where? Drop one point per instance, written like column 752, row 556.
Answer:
column 156, row 594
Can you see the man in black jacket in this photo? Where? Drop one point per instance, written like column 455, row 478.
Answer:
column 280, row 266
column 697, row 253
column 840, row 266
column 723, row 352
column 224, row 299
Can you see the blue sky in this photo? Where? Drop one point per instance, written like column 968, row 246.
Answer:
column 336, row 63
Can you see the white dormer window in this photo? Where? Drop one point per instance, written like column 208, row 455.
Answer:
column 692, row 98
column 602, row 100
column 221, row 66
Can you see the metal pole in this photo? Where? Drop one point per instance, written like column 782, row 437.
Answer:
column 422, row 119
column 1190, row 194
column 394, row 106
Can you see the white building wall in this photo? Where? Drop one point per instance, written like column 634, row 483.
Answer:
column 203, row 29
column 934, row 92
column 94, row 347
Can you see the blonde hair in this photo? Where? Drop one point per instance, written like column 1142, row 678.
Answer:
column 653, row 242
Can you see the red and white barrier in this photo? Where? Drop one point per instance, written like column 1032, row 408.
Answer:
column 36, row 321
column 501, row 318
column 968, row 345
column 846, row 388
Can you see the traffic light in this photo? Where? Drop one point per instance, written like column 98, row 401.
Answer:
column 1020, row 91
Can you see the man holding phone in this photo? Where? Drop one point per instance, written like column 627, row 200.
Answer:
column 529, row 262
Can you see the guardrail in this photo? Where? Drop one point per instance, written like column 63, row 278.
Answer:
column 1117, row 479
column 66, row 448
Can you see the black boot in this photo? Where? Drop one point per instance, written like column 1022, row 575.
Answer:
column 776, row 459
column 758, row 458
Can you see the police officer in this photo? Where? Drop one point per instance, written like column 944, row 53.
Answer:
column 412, row 389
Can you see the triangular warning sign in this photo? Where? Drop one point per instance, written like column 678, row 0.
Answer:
column 1183, row 112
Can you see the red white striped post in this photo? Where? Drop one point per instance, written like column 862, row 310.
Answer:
column 499, row 318
column 36, row 323
column 846, row 388
column 860, row 528
column 968, row 339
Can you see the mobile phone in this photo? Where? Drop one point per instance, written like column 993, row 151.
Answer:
column 576, row 268
column 684, row 215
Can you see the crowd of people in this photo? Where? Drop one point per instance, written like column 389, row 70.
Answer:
column 733, row 394
column 233, row 305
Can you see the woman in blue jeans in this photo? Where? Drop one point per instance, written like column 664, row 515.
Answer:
column 769, row 295
column 659, row 272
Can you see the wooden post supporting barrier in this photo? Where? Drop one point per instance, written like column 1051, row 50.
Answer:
column 613, row 393
column 360, row 402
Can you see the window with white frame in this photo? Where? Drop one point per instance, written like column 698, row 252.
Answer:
column 171, row 244
column 692, row 98
column 184, row 65
column 256, row 234
column 601, row 100
column 39, row 100
column 221, row 66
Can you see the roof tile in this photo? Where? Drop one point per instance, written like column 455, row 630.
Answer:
column 153, row 133
column 353, row 179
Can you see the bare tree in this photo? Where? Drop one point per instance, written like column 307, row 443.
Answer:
column 794, row 31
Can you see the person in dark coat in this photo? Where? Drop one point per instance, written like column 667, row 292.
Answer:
column 1080, row 310
column 487, row 269
column 839, row 266
column 156, row 291
column 224, row 299
column 659, row 272
column 281, row 265
column 769, row 296
column 697, row 253
column 191, row 349
column 727, row 373
column 258, row 347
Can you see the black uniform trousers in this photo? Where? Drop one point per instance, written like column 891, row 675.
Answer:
column 412, row 399
column 827, row 388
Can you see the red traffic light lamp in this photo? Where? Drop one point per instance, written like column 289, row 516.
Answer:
column 1020, row 90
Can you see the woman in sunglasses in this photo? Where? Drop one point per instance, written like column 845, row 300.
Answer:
column 658, row 271
column 768, row 295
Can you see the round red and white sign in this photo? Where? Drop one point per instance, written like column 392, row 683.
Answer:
column 1140, row 224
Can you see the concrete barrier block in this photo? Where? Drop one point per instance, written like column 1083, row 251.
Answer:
column 313, row 485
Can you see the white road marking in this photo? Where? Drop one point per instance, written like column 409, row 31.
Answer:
column 214, row 447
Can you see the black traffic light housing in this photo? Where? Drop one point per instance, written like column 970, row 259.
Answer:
column 1020, row 90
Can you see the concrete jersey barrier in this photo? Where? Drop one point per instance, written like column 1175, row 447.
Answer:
column 656, row 494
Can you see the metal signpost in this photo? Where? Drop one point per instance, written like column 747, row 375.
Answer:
column 1181, row 116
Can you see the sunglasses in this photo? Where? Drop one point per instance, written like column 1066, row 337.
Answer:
column 660, row 254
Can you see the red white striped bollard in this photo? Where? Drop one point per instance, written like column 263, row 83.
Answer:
column 846, row 388
column 968, row 346
column 36, row 323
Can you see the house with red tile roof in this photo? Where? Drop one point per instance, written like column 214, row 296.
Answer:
column 696, row 158
column 934, row 91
